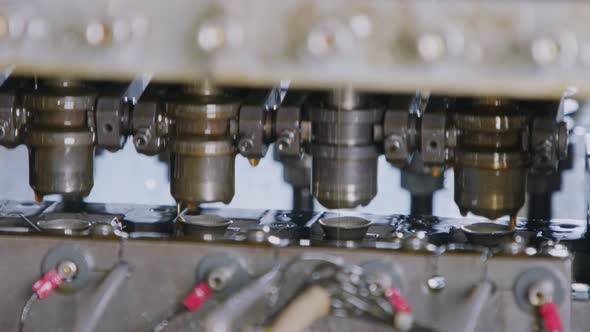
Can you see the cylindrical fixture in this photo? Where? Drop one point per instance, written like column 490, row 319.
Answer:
column 61, row 163
column 60, row 139
column 344, row 177
column 344, row 170
column 202, row 170
column 202, row 152
column 490, row 157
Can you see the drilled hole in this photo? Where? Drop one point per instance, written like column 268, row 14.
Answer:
column 108, row 128
column 433, row 145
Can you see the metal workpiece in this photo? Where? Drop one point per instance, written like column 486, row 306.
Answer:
column 344, row 228
column 202, row 151
column 344, row 150
column 60, row 137
column 203, row 226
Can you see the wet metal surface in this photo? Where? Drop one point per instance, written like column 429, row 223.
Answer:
column 294, row 225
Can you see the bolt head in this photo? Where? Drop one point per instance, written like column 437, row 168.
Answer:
column 67, row 269
column 245, row 145
column 436, row 283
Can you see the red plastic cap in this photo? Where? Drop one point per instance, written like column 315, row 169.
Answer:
column 50, row 281
column 550, row 316
column 398, row 302
column 195, row 299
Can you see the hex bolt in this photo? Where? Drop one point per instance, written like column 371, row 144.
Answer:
column 436, row 283
column 393, row 144
column 245, row 145
column 285, row 141
column 141, row 138
column 67, row 269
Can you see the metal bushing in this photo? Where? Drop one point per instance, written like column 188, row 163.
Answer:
column 344, row 177
column 60, row 100
column 348, row 127
column 60, row 138
column 202, row 152
column 67, row 108
column 112, row 120
column 202, row 170
column 202, row 115
column 490, row 184
column 61, row 162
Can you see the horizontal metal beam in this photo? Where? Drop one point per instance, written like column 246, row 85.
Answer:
column 517, row 48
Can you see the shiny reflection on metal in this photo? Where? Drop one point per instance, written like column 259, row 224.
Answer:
column 64, row 225
column 21, row 215
column 201, row 225
column 136, row 88
column 102, row 229
column 436, row 283
column 147, row 235
column 345, row 228
column 5, row 73
column 487, row 233
column 14, row 230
